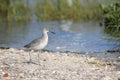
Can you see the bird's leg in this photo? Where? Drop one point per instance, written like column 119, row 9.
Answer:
column 38, row 58
column 30, row 60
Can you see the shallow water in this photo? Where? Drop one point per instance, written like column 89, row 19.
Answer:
column 84, row 37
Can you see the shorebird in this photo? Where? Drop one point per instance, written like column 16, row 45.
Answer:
column 38, row 44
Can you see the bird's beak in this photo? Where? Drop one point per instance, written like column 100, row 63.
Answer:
column 53, row 32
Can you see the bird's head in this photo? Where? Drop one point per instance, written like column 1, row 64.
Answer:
column 47, row 30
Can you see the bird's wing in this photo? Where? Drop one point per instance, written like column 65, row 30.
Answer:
column 33, row 43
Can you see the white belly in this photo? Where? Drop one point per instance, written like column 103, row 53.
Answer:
column 41, row 45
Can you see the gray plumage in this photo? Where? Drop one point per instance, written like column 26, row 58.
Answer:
column 39, row 43
column 34, row 43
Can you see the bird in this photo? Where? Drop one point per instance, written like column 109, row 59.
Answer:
column 39, row 43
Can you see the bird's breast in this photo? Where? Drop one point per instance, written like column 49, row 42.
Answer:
column 41, row 45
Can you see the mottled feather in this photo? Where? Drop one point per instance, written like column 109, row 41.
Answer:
column 33, row 43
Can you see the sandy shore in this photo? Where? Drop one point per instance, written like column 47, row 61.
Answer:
column 54, row 66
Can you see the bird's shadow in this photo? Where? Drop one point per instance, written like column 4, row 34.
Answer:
column 30, row 62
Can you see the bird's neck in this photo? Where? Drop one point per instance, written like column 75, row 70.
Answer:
column 44, row 34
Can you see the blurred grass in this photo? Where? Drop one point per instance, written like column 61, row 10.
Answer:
column 20, row 10
column 111, row 15
column 14, row 10
column 62, row 9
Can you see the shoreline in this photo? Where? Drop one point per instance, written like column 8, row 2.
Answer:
column 55, row 66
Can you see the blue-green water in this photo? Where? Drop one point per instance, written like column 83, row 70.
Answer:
column 76, row 37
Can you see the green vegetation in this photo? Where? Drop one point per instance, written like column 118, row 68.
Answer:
column 64, row 9
column 19, row 10
column 112, row 18
column 44, row 10
column 3, row 8
column 14, row 10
